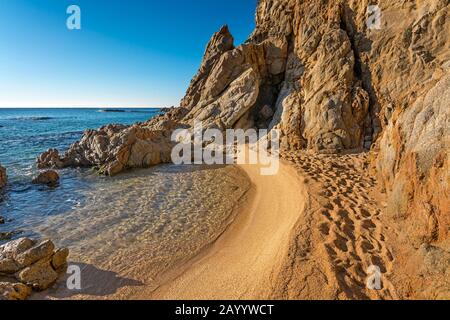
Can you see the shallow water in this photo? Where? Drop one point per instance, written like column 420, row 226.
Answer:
column 149, row 218
column 26, row 133
column 153, row 218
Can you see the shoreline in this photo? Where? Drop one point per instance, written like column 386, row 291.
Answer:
column 310, row 232
column 239, row 263
column 245, row 259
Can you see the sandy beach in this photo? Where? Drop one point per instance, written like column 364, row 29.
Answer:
column 311, row 231
column 242, row 263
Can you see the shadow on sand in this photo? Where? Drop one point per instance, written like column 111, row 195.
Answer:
column 95, row 283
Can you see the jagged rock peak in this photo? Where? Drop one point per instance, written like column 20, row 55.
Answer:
column 221, row 42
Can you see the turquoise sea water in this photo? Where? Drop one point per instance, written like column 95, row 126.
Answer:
column 26, row 133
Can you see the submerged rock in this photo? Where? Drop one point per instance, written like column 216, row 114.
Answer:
column 35, row 264
column 49, row 178
column 3, row 177
column 8, row 235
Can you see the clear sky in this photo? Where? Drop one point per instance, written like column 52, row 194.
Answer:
column 127, row 53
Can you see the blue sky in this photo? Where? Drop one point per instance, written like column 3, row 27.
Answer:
column 128, row 52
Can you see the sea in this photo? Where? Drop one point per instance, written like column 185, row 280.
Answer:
column 156, row 217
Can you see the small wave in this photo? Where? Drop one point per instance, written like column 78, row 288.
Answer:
column 30, row 119
column 22, row 189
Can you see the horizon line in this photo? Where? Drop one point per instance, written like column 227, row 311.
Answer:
column 84, row 107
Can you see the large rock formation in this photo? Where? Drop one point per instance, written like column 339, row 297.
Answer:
column 3, row 177
column 35, row 265
column 115, row 148
column 331, row 79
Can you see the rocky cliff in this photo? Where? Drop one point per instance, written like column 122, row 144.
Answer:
column 332, row 78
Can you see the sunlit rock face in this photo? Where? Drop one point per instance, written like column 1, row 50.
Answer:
column 334, row 82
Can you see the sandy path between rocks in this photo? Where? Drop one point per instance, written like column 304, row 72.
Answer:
column 242, row 263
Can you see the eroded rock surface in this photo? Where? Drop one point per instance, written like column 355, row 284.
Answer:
column 413, row 165
column 114, row 148
column 36, row 265
column 316, row 71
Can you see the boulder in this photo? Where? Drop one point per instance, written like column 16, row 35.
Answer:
column 49, row 178
column 49, row 159
column 40, row 251
column 59, row 259
column 32, row 263
column 14, row 291
column 39, row 275
column 8, row 266
column 10, row 251
column 16, row 247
